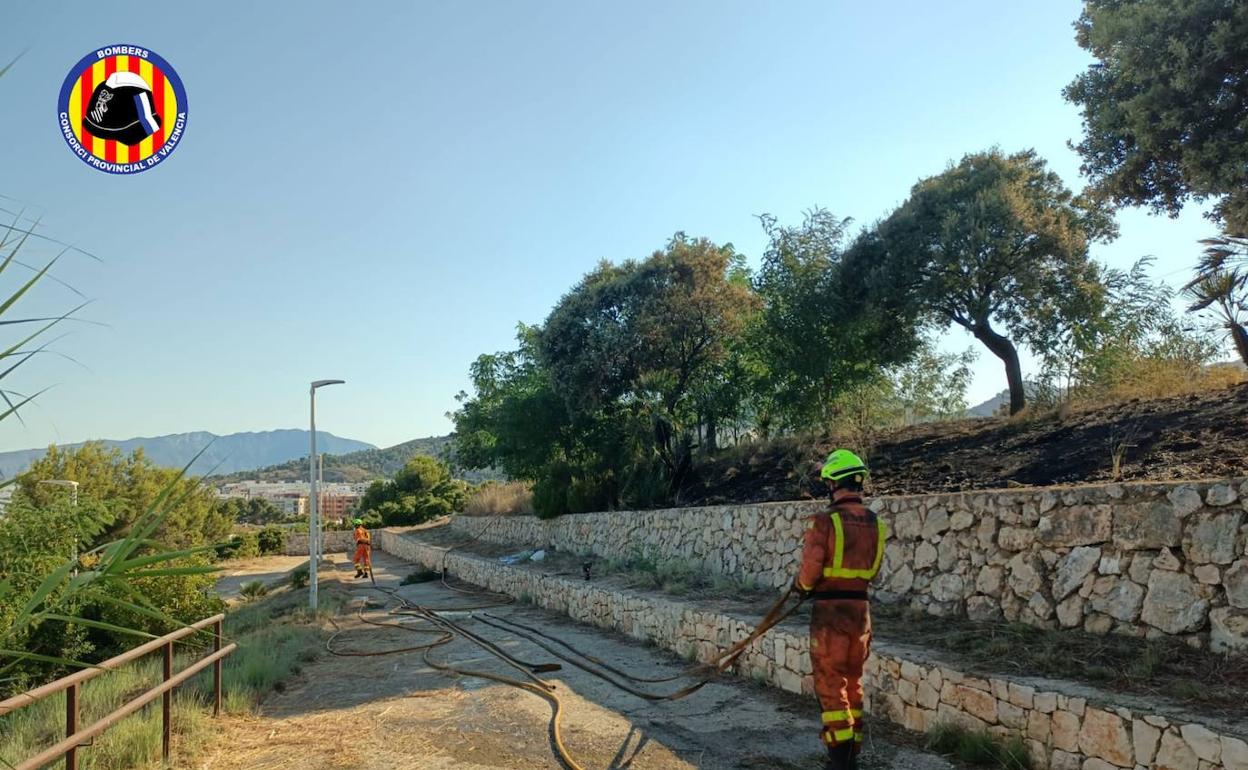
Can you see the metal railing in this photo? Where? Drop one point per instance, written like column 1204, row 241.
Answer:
column 76, row 738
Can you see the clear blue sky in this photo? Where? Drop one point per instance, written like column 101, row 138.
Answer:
column 380, row 191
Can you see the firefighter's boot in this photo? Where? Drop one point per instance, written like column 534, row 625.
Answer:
column 840, row 758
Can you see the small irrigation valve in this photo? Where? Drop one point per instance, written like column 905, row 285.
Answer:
column 587, row 566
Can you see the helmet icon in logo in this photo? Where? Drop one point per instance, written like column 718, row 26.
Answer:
column 121, row 109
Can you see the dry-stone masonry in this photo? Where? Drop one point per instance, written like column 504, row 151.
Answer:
column 341, row 541
column 1065, row 726
column 1145, row 559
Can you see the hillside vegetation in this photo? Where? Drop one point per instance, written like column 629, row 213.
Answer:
column 364, row 465
column 1181, row 437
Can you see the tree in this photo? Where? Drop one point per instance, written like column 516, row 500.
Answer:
column 819, row 332
column 1221, row 285
column 646, row 341
column 422, row 490
column 118, row 488
column 1165, row 108
column 251, row 510
column 996, row 239
column 1225, row 293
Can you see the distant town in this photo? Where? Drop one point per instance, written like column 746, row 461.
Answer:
column 336, row 500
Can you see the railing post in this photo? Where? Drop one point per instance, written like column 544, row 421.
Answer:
column 167, row 703
column 216, row 673
column 71, row 725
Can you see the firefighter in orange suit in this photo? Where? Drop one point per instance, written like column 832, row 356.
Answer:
column 842, row 553
column 363, row 550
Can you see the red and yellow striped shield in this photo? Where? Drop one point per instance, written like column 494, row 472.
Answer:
column 122, row 109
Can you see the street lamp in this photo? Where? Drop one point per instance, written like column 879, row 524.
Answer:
column 314, row 525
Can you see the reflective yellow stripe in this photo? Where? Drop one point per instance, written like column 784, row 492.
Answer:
column 805, row 587
column 836, row 716
column 857, row 737
column 838, row 558
column 827, row 737
column 837, row 570
column 855, row 713
column 843, row 735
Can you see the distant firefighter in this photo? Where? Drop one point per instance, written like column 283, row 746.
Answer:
column 363, row 550
column 121, row 109
column 842, row 552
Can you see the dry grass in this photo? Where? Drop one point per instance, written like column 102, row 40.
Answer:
column 509, row 498
column 1158, row 378
column 1161, row 668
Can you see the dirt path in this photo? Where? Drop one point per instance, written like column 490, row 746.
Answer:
column 392, row 712
column 266, row 569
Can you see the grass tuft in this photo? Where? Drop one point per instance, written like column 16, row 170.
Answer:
column 979, row 747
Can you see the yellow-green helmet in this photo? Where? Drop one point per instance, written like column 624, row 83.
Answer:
column 843, row 464
column 357, row 522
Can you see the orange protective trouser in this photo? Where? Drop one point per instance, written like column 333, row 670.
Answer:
column 840, row 641
column 363, row 555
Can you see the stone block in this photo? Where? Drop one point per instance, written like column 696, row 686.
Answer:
column 906, row 525
column 1071, row 570
column 1185, row 500
column 1122, row 602
column 1203, row 742
column 1234, row 753
column 983, row 609
column 1093, row 763
column 1038, row 726
column 947, row 588
column 1236, row 582
column 1144, row 739
column 1076, row 525
column 926, row 696
column 1070, row 612
column 1210, row 538
column 1221, row 494
column 1105, row 735
column 1045, row 702
column 1021, row 695
column 1175, row 754
column 1063, row 760
column 1228, row 630
column 1011, row 716
column 1016, row 538
column 1174, row 604
column 1025, row 575
column 924, row 556
column 979, row 704
column 936, row 523
column 1146, row 526
column 961, row 520
column 1064, row 729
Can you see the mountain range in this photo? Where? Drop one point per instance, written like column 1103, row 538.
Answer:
column 221, row 454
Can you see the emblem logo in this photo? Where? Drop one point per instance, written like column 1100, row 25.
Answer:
column 122, row 109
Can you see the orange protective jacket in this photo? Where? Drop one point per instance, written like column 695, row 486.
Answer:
column 843, row 547
column 362, row 537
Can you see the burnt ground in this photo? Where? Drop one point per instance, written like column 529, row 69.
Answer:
column 1203, row 435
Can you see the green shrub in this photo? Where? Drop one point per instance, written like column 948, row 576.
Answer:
column 271, row 540
column 241, row 546
column 979, row 747
column 253, row 590
column 299, row 577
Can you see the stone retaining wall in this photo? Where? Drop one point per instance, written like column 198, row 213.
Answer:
column 1152, row 559
column 337, row 541
column 1065, row 726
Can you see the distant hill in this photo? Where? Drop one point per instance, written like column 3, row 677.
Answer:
column 364, row 465
column 225, row 454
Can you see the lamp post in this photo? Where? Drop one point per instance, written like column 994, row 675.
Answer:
column 314, row 525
